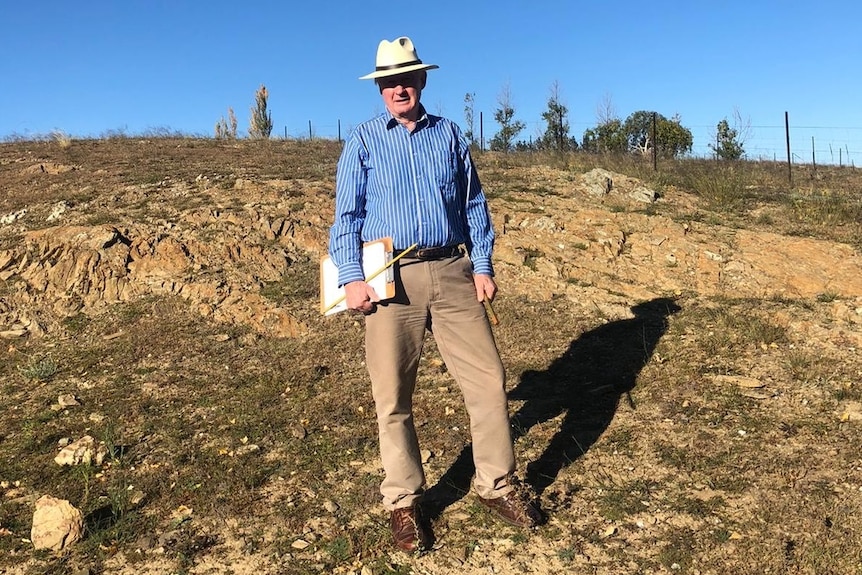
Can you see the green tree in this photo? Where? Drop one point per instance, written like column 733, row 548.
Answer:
column 607, row 137
column 727, row 145
column 469, row 102
column 672, row 138
column 556, row 136
column 509, row 127
column 260, row 124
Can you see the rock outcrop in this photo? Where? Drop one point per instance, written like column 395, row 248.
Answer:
column 220, row 255
column 71, row 269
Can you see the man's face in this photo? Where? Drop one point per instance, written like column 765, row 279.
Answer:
column 401, row 93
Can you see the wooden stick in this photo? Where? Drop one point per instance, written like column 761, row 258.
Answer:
column 490, row 311
column 371, row 276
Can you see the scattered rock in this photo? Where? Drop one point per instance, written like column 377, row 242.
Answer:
column 246, row 449
column 84, row 451
column 739, row 381
column 598, row 182
column 13, row 216
column 52, row 168
column 644, row 195
column 754, row 394
column 58, row 210
column 13, row 333
column 136, row 498
column 67, row 400
column 56, row 524
column 298, row 431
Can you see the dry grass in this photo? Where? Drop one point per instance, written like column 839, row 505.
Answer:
column 645, row 460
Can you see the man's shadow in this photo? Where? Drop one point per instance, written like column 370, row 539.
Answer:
column 585, row 385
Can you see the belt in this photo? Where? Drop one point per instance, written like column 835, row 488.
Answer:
column 427, row 254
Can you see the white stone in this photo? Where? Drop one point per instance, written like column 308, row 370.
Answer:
column 84, row 451
column 57, row 524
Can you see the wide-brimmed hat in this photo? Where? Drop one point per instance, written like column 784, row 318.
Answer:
column 397, row 57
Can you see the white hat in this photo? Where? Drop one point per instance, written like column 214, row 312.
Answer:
column 397, row 57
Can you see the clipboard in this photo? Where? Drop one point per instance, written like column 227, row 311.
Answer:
column 376, row 256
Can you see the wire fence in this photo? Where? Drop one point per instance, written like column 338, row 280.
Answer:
column 819, row 145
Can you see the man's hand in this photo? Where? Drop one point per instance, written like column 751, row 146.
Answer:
column 485, row 287
column 360, row 297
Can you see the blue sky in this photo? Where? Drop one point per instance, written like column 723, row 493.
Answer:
column 94, row 67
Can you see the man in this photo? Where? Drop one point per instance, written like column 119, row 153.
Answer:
column 408, row 175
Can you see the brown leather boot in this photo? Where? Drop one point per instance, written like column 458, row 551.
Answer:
column 515, row 509
column 408, row 532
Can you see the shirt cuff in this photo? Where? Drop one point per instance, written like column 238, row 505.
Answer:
column 350, row 272
column 483, row 266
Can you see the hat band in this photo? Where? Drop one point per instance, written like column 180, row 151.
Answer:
column 396, row 66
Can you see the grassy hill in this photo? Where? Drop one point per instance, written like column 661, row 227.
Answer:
column 684, row 374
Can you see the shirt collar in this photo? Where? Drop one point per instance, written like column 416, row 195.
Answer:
column 422, row 121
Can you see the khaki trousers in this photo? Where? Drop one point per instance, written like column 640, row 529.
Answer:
column 437, row 295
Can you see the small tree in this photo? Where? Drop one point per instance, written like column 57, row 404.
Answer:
column 730, row 141
column 260, row 124
column 556, row 136
column 509, row 127
column 608, row 136
column 726, row 146
column 672, row 139
column 226, row 130
column 469, row 101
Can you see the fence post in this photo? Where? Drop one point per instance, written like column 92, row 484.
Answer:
column 654, row 146
column 481, row 133
column 787, row 132
column 813, row 159
column 561, row 129
column 339, row 131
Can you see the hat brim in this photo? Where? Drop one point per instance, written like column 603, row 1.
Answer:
column 396, row 71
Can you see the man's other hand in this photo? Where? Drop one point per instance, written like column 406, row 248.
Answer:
column 485, row 287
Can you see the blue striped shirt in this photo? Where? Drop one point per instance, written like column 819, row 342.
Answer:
column 417, row 187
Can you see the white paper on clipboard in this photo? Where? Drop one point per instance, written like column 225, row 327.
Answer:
column 375, row 256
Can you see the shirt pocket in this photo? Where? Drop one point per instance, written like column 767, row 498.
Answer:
column 443, row 171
